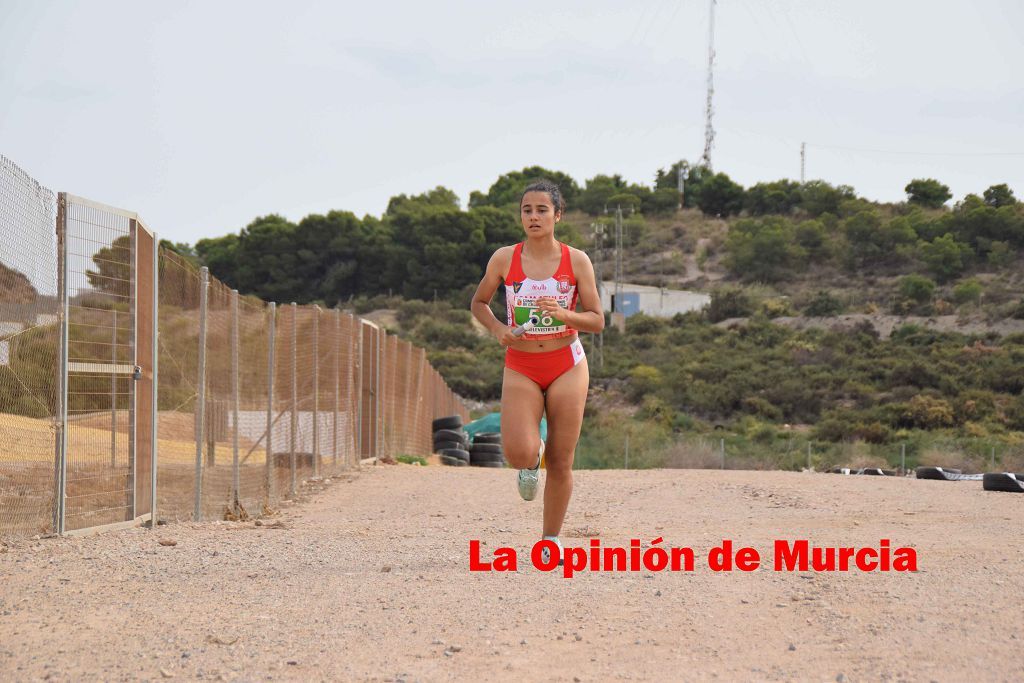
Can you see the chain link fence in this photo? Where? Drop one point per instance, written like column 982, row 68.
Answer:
column 29, row 310
column 131, row 380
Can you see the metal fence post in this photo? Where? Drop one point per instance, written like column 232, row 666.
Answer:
column 316, row 391
column 132, row 503
column 268, row 464
column 903, row 458
column 337, row 381
column 295, row 393
column 234, row 398
column 155, row 451
column 359, row 391
column 204, row 295
column 379, row 427
column 420, row 422
column 721, row 445
column 113, row 393
column 408, row 401
column 59, row 511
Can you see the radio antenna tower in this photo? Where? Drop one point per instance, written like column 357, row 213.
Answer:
column 709, row 132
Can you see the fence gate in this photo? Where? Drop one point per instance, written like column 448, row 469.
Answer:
column 370, row 389
column 107, row 426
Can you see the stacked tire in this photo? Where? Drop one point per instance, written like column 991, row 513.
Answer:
column 451, row 441
column 486, row 450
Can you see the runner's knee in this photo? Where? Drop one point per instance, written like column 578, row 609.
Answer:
column 521, row 453
column 558, row 466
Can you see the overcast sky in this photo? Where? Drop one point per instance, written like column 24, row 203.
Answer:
column 204, row 115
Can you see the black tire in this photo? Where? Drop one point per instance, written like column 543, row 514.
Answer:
column 486, row 448
column 451, row 462
column 487, row 437
column 450, row 435
column 939, row 473
column 442, row 445
column 450, row 422
column 475, row 457
column 876, row 472
column 1003, row 481
column 456, row 453
column 488, row 464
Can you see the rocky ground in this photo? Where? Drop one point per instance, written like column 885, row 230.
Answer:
column 368, row 578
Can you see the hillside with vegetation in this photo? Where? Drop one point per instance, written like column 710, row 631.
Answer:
column 943, row 381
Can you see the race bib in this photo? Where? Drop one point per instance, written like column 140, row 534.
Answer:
column 526, row 306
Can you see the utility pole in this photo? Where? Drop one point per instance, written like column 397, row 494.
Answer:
column 598, row 229
column 803, row 158
column 682, row 172
column 709, row 132
column 618, row 259
column 618, row 317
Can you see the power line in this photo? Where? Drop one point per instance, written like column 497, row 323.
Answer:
column 916, row 153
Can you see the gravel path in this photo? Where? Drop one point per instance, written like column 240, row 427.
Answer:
column 367, row 578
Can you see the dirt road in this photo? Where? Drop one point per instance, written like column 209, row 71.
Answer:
column 369, row 580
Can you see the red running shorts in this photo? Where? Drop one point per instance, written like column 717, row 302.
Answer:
column 546, row 366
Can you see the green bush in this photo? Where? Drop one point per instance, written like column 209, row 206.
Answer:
column 873, row 432
column 928, row 412
column 644, row 380
column 762, row 433
column 645, row 324
column 729, row 302
column 945, row 257
column 1000, row 254
column 823, row 305
column 755, row 405
column 834, row 429
column 446, row 335
column 968, row 291
column 474, row 375
column 917, row 289
column 763, row 250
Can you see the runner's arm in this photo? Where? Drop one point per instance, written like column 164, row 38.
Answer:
column 481, row 305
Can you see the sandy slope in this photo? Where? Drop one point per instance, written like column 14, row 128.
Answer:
column 369, row 580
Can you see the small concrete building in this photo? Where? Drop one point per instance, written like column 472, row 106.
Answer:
column 654, row 301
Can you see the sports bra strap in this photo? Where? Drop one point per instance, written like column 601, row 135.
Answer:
column 516, row 272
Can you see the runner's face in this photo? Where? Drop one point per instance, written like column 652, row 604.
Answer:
column 538, row 214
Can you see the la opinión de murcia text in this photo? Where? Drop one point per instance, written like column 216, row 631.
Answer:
column 787, row 556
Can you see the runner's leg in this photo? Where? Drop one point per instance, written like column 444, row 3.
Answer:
column 522, row 404
column 566, row 398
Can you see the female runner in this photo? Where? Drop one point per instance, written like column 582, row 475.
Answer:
column 545, row 368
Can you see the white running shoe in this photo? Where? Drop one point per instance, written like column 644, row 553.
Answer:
column 528, row 479
column 545, row 554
